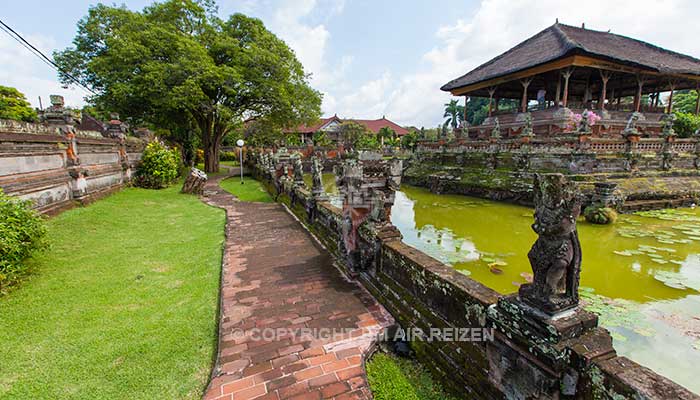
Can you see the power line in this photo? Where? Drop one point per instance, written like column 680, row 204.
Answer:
column 32, row 49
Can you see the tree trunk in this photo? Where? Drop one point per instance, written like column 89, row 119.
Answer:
column 194, row 183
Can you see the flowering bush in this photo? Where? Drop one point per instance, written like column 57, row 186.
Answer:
column 159, row 166
column 576, row 119
column 21, row 233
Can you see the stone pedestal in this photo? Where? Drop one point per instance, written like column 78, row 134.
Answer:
column 547, row 349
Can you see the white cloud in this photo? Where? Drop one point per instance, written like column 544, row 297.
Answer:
column 498, row 25
column 21, row 69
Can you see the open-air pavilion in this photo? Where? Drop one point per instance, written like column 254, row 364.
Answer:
column 567, row 70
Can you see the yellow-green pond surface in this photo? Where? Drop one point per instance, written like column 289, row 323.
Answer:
column 641, row 275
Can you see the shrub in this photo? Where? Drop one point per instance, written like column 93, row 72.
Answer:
column 199, row 156
column 686, row 124
column 22, row 232
column 159, row 166
column 228, row 156
column 600, row 215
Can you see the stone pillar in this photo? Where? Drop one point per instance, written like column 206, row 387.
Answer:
column 367, row 186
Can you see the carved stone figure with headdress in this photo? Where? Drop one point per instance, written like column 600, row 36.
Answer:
column 556, row 255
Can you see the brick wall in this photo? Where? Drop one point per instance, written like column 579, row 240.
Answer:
column 56, row 170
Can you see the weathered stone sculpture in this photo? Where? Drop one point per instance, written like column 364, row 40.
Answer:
column 317, row 189
column 298, row 170
column 527, row 129
column 496, row 131
column 631, row 127
column 556, row 255
column 584, row 125
column 194, row 183
column 668, row 121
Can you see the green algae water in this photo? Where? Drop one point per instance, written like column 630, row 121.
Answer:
column 641, row 275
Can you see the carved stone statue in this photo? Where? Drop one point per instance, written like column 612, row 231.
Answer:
column 556, row 255
column 631, row 127
column 668, row 120
column 583, row 125
column 298, row 170
column 317, row 177
column 378, row 211
column 527, row 129
column 496, row 131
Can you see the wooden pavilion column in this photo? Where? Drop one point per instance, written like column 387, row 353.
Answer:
column 669, row 108
column 605, row 77
column 566, row 74
column 466, row 100
column 557, row 95
column 495, row 107
column 492, row 90
column 523, row 103
column 638, row 95
column 697, row 101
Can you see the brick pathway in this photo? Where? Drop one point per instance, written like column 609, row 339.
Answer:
column 277, row 279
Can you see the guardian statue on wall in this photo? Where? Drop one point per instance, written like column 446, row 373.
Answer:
column 556, row 255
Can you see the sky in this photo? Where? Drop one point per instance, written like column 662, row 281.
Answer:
column 369, row 58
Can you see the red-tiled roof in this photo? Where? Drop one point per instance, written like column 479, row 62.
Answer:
column 373, row 125
column 315, row 127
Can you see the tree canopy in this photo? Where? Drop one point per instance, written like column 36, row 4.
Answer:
column 14, row 105
column 176, row 63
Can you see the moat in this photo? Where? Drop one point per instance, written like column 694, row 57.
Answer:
column 641, row 275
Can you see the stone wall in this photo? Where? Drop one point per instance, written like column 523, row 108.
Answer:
column 572, row 358
column 56, row 167
column 502, row 169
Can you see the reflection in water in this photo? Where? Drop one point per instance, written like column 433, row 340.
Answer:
column 642, row 275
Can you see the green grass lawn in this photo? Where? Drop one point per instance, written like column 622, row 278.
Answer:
column 394, row 378
column 123, row 305
column 250, row 190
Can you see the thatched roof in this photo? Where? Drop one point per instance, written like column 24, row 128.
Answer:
column 559, row 41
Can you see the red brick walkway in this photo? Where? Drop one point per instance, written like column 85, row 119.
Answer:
column 291, row 326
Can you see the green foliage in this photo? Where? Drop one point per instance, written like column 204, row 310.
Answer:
column 263, row 133
column 22, row 232
column 600, row 215
column 410, row 140
column 686, row 124
column 386, row 133
column 454, row 113
column 177, row 62
column 159, row 166
column 684, row 101
column 368, row 141
column 249, row 190
column 351, row 133
column 228, row 156
column 124, row 306
column 14, row 105
column 393, row 378
column 321, row 139
column 292, row 139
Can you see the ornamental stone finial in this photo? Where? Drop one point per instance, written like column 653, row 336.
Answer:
column 556, row 255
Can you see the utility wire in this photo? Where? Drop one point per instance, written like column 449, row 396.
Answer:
column 47, row 60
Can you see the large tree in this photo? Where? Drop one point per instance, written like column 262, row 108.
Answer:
column 13, row 105
column 177, row 59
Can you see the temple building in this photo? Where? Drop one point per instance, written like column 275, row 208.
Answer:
column 564, row 70
column 331, row 125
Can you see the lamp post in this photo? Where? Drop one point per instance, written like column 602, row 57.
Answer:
column 240, row 144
